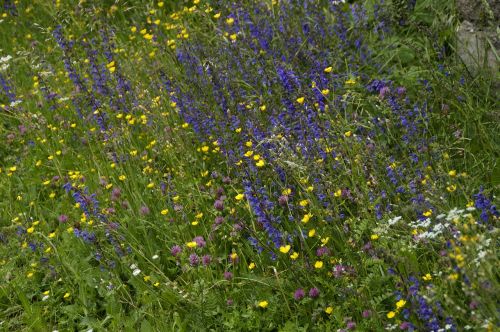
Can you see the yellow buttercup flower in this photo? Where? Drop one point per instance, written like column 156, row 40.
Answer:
column 263, row 304
column 306, row 218
column 285, row 249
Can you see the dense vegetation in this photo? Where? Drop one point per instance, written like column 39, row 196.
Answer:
column 286, row 165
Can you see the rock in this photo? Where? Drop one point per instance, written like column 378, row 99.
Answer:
column 477, row 36
column 475, row 48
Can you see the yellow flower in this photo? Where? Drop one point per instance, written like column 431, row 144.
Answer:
column 338, row 193
column 249, row 144
column 294, row 256
column 239, row 197
column 251, row 266
column 318, row 264
column 67, row 295
column 285, row 249
column 374, row 237
column 30, row 230
column 230, row 21
column 52, row 235
column 329, row 310
column 325, row 92
column 351, row 81
column 304, row 202
column 348, row 133
column 401, row 303
column 306, row 218
column 122, row 177
column 164, row 212
column 300, row 100
column 216, row 16
column 233, row 256
column 191, row 244
column 451, row 188
column 328, row 69
column 286, row 191
column 312, row 232
column 427, row 277
column 391, row 314
column 452, row 173
column 427, row 213
column 260, row 163
column 263, row 108
column 263, row 304
column 233, row 37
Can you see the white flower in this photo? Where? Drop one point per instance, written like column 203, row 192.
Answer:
column 45, row 298
column 136, row 272
column 15, row 103
column 133, row 267
column 5, row 59
column 394, row 220
column 155, row 257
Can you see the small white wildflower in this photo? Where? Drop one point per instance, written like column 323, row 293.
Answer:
column 45, row 298
column 155, row 257
column 136, row 272
column 133, row 267
column 394, row 220
column 5, row 58
column 441, row 216
column 15, row 103
column 471, row 208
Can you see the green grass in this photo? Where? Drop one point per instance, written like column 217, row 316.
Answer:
column 156, row 179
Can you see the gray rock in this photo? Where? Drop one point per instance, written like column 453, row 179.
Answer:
column 477, row 48
column 477, row 36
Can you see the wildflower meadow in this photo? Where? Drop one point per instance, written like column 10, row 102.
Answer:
column 249, row 165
